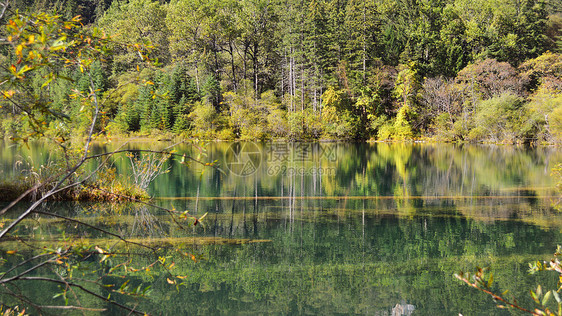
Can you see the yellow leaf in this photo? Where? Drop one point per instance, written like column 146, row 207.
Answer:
column 19, row 49
column 181, row 276
column 170, row 281
column 193, row 258
column 31, row 39
column 11, row 252
column 8, row 94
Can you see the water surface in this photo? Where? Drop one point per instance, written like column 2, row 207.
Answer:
column 331, row 228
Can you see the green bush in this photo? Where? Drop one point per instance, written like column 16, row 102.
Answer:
column 542, row 122
column 443, row 127
column 203, row 117
column 402, row 127
column 10, row 127
column 499, row 119
column 277, row 123
column 386, row 131
column 304, row 125
column 556, row 122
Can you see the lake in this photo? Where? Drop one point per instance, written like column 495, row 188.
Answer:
column 319, row 228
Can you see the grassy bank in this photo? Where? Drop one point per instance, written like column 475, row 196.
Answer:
column 10, row 191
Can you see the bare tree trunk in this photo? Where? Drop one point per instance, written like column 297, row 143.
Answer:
column 197, row 77
column 283, row 74
column 291, row 80
column 256, row 69
column 364, row 40
column 233, row 67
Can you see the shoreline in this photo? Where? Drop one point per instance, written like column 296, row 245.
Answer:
column 180, row 139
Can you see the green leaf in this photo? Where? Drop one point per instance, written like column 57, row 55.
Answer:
column 46, row 83
column 534, row 296
column 491, row 280
column 146, row 289
column 546, row 297
column 123, row 285
column 556, row 296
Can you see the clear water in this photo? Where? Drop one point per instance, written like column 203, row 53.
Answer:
column 328, row 228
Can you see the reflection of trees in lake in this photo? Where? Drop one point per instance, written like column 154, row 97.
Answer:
column 391, row 225
column 146, row 224
column 379, row 169
column 321, row 260
column 360, row 169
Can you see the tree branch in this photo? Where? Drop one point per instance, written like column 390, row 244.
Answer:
column 85, row 290
column 94, row 227
column 495, row 296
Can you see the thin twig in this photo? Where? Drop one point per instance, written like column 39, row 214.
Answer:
column 93, row 227
column 23, row 263
column 155, row 152
column 495, row 296
column 23, row 195
column 69, row 288
column 56, row 189
column 19, row 276
column 83, row 289
column 74, row 308
column 145, row 203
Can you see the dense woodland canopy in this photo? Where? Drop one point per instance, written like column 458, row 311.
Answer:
column 473, row 70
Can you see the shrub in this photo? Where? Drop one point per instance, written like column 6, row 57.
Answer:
column 9, row 127
column 545, row 70
column 402, row 127
column 499, row 119
column 556, row 122
column 277, row 122
column 386, row 130
column 203, row 117
column 443, row 127
column 489, row 78
column 542, row 122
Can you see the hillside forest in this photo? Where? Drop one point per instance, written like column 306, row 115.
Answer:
column 462, row 70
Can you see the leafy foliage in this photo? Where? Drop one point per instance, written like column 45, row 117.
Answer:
column 547, row 302
column 384, row 57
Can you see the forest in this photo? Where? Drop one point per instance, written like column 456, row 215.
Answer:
column 390, row 227
column 443, row 70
